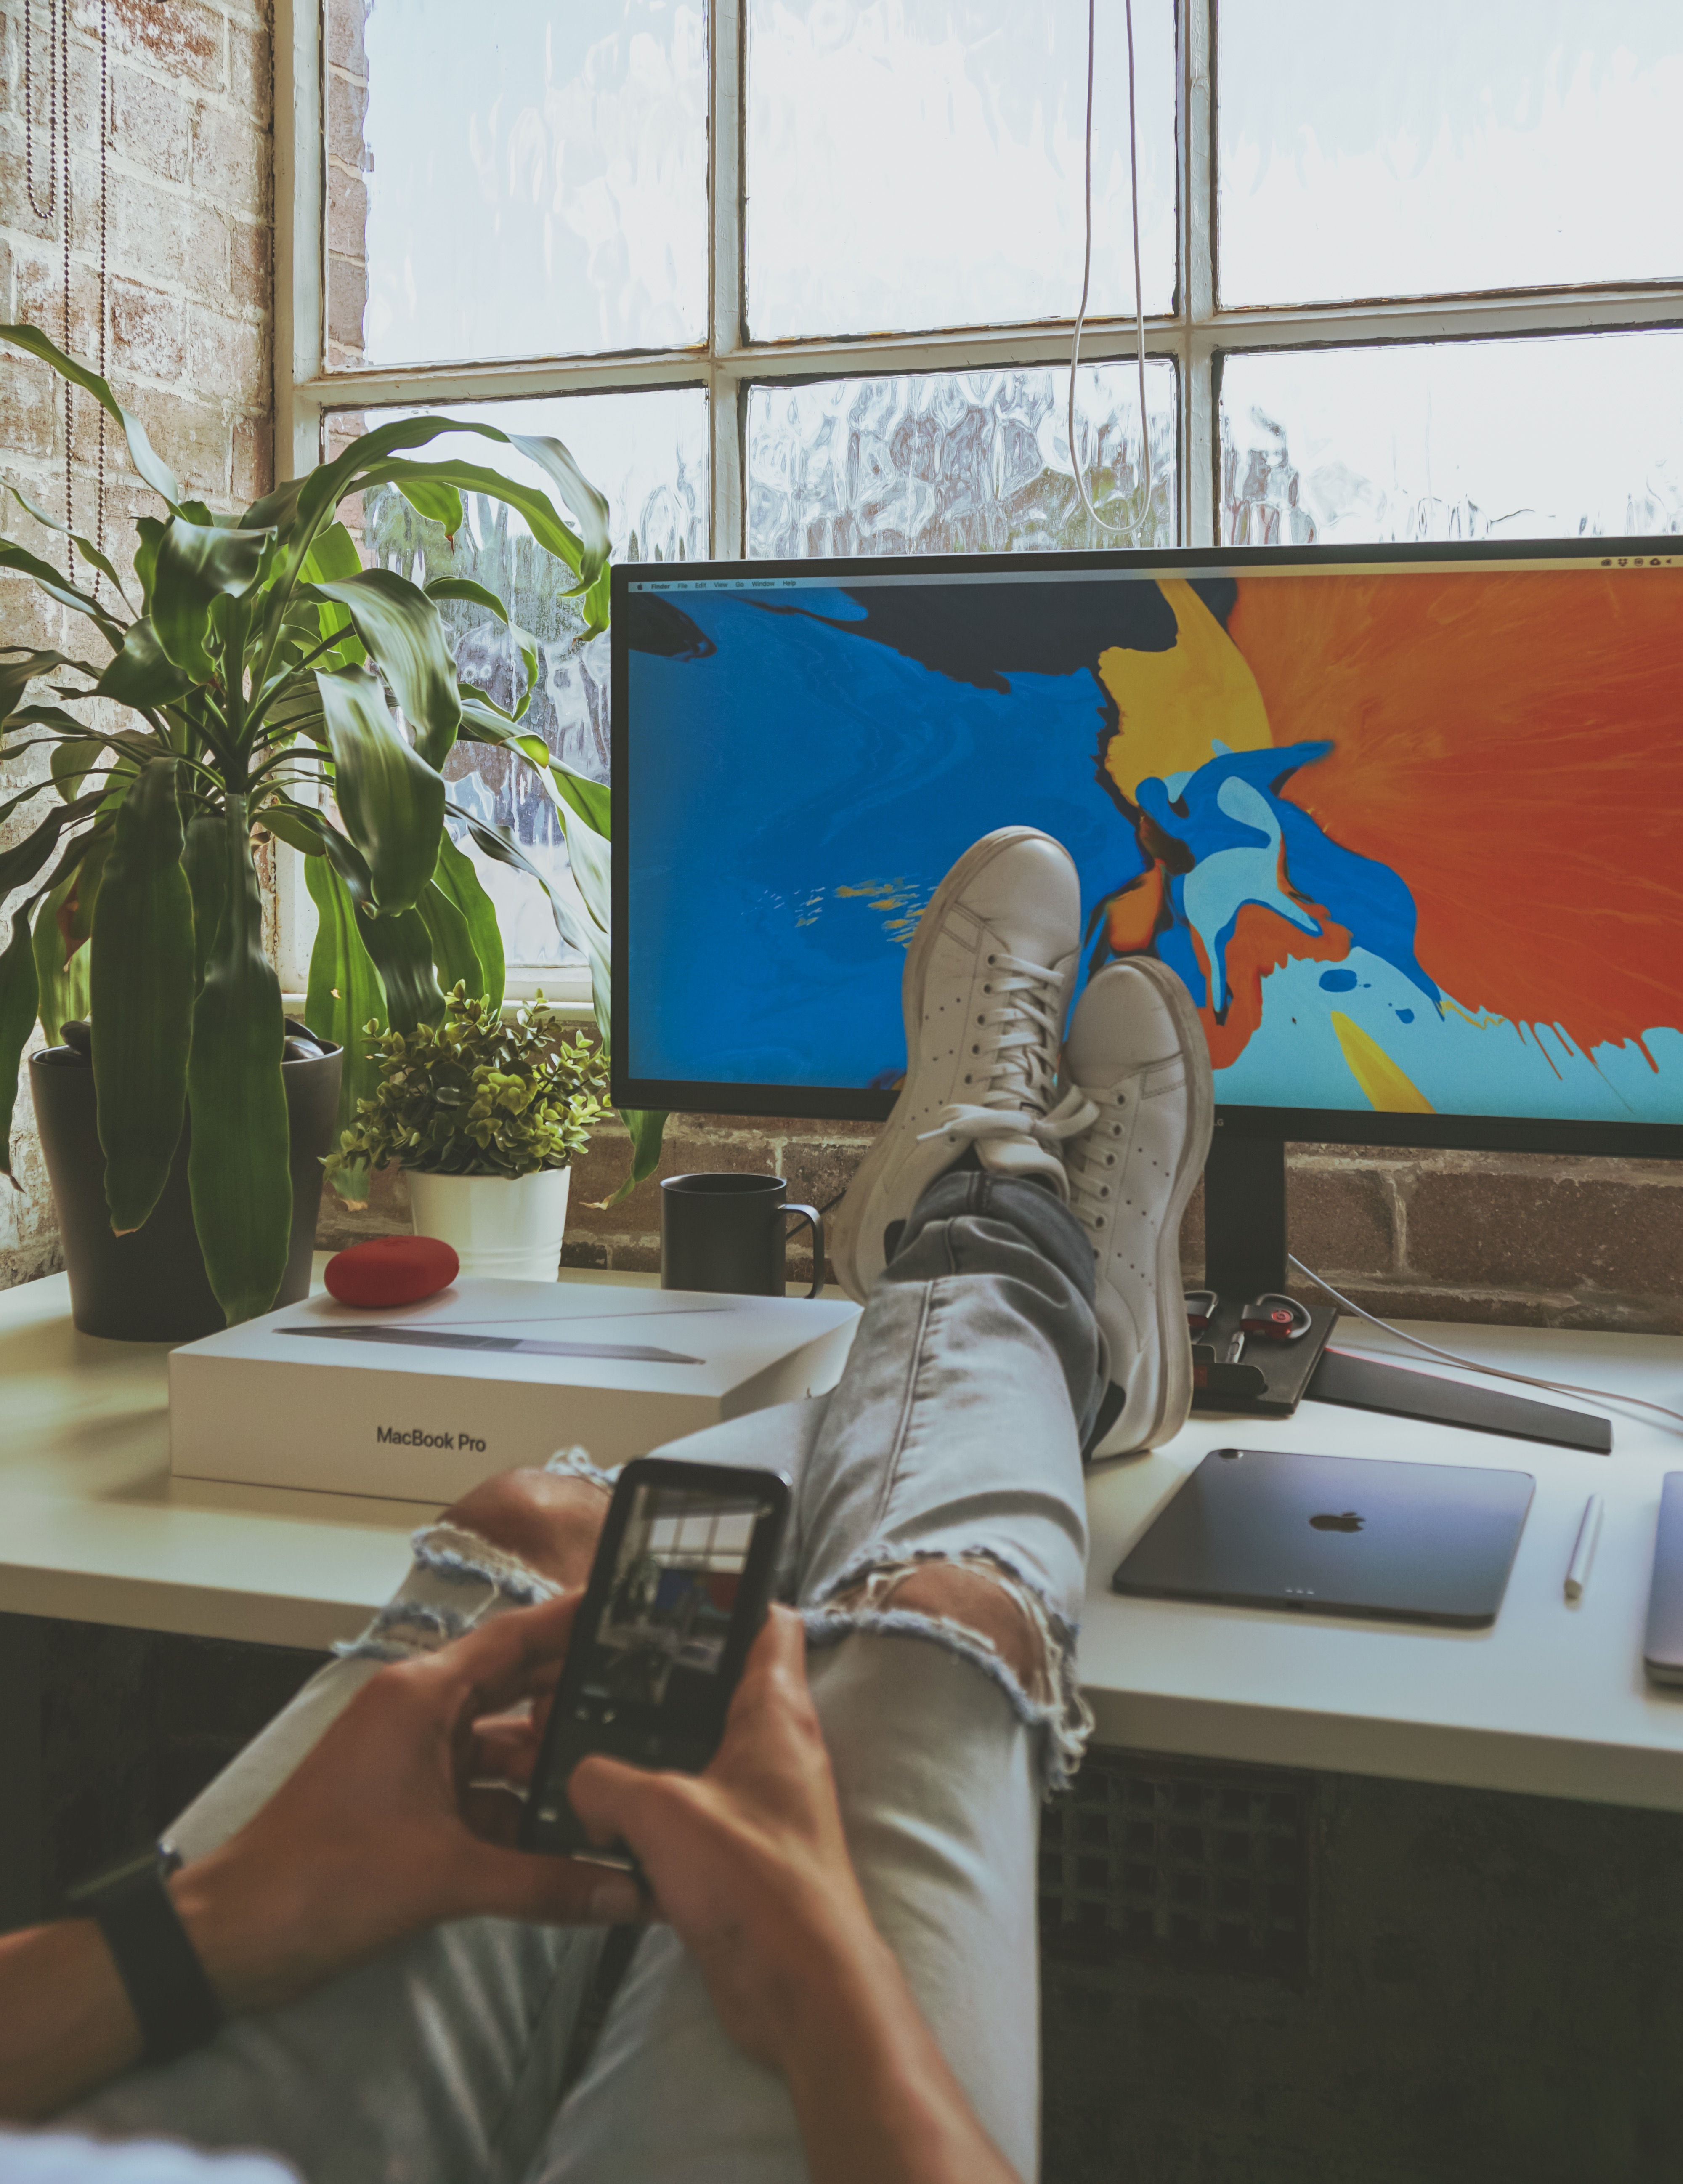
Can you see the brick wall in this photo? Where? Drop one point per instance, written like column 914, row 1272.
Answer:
column 187, row 243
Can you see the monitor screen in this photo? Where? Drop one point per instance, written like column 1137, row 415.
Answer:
column 1408, row 823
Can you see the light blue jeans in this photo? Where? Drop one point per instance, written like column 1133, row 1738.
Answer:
column 954, row 1432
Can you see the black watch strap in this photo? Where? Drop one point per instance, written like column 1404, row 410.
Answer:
column 158, row 1966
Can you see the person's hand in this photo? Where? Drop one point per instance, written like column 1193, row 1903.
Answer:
column 747, row 1860
column 381, row 1831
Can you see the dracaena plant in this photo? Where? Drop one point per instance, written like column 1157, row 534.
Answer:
column 266, row 680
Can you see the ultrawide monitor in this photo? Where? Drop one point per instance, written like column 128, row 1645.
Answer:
column 1408, row 823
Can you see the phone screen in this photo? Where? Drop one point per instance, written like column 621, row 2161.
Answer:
column 679, row 1588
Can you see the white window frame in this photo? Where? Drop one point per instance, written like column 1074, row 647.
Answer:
column 1196, row 336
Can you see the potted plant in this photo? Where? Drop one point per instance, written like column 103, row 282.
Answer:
column 268, row 684
column 485, row 1118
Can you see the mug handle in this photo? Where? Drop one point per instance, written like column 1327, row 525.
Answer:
column 815, row 1219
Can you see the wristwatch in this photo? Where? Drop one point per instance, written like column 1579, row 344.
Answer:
column 171, row 1997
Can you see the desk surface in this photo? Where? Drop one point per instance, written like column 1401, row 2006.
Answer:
column 1553, row 1700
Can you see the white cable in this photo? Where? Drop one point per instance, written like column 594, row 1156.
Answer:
column 1141, row 521
column 1472, row 1364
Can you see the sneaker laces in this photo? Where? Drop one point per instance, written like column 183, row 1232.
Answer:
column 1091, row 1166
column 1014, row 1062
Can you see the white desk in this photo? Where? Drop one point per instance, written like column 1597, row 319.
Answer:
column 1553, row 1700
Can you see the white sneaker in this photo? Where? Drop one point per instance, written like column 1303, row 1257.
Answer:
column 1137, row 1051
column 987, row 982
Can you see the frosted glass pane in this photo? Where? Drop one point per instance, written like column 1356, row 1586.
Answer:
column 528, row 179
column 1445, row 146
column 954, row 462
column 1520, row 439
column 648, row 452
column 918, row 163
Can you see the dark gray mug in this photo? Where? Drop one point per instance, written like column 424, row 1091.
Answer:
column 727, row 1231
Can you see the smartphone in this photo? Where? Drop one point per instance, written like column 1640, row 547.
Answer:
column 679, row 1588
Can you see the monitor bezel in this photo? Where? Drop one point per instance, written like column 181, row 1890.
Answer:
column 1293, row 1125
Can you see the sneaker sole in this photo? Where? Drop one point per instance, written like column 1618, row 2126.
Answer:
column 1174, row 1347
column 847, row 1235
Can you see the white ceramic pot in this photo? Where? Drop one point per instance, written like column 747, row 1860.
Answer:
column 508, row 1229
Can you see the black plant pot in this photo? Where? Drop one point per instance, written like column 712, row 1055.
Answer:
column 151, row 1286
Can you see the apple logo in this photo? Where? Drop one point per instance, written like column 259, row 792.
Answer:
column 1348, row 1522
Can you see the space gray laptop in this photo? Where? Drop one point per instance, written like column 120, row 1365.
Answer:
column 1336, row 1535
column 1662, row 1647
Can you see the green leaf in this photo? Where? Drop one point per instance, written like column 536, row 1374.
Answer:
column 530, row 501
column 332, row 556
column 401, row 627
column 62, row 981
column 21, row 863
column 34, row 788
column 646, row 1125
column 205, row 861
column 401, row 947
column 590, row 799
column 291, row 822
column 86, row 547
column 456, row 877
column 439, row 503
column 392, row 801
column 88, row 870
column 589, row 854
column 43, row 716
column 345, row 996
column 19, row 1000
column 237, row 1165
column 140, row 674
column 464, row 587
column 158, row 474
column 197, row 565
column 455, row 960
column 60, row 588
column 140, row 988
column 145, row 556
column 72, row 763
column 500, row 846
column 18, row 670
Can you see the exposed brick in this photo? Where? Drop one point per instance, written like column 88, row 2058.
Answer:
column 151, row 123
column 180, row 38
column 29, row 410
column 347, row 111
column 225, row 356
column 1535, row 1231
column 230, row 160
column 347, row 216
column 818, row 1173
column 149, row 326
column 251, row 72
column 344, row 31
column 1340, row 1218
column 347, row 300
column 192, row 438
column 686, row 1150
column 251, row 258
column 253, row 461
column 582, row 1254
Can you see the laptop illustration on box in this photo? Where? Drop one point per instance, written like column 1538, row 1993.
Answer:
column 1336, row 1535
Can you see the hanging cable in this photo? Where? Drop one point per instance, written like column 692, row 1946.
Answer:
column 1141, row 522
column 1473, row 1364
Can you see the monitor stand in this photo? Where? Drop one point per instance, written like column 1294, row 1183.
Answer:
column 1245, row 1255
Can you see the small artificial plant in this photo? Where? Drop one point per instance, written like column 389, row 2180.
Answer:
column 262, row 671
column 474, row 1095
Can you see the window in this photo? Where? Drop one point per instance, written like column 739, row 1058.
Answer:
column 797, row 277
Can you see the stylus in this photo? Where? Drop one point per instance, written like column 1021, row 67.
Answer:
column 1584, row 1547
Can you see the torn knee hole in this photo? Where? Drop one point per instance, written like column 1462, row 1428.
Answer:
column 973, row 1595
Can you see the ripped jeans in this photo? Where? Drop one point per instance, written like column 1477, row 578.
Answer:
column 955, row 1432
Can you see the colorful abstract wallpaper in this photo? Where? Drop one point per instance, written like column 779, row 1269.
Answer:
column 1413, row 839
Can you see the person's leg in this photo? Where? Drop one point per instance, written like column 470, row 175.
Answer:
column 444, row 2058
column 939, row 1547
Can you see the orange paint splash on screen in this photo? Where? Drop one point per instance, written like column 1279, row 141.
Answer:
column 1262, row 941
column 1511, row 745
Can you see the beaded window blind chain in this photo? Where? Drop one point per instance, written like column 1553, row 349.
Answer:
column 58, row 203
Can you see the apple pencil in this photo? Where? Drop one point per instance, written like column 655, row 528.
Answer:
column 1584, row 1547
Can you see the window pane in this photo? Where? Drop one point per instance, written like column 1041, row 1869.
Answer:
column 1519, row 439
column 1444, row 146
column 647, row 451
column 918, row 163
column 528, row 179
column 955, row 462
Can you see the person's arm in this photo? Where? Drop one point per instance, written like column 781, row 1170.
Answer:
column 371, row 1840
column 749, row 1864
